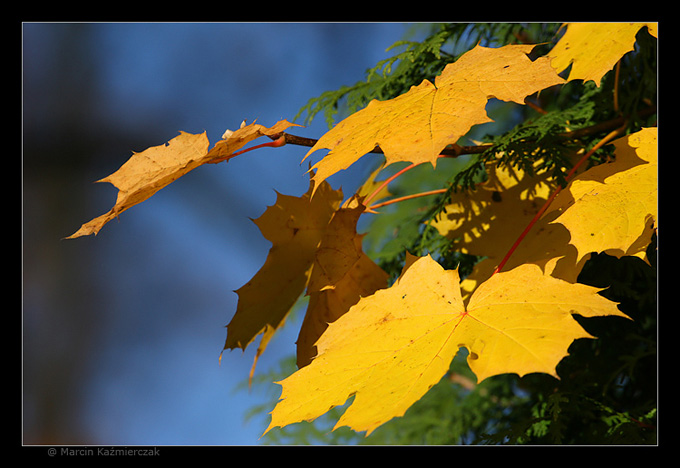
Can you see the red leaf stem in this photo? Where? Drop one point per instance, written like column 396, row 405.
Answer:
column 280, row 141
column 545, row 206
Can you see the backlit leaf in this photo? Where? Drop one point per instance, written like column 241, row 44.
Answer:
column 612, row 207
column 418, row 125
column 594, row 48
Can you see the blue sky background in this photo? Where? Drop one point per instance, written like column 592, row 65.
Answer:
column 122, row 331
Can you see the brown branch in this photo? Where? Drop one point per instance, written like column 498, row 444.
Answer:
column 454, row 150
column 450, row 150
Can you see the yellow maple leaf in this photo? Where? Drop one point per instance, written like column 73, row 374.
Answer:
column 394, row 345
column 612, row 207
column 295, row 227
column 594, row 48
column 147, row 172
column 417, row 125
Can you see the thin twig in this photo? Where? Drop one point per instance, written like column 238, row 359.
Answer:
column 616, row 85
column 535, row 107
column 406, row 197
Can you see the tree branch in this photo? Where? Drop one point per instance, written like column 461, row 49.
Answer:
column 455, row 150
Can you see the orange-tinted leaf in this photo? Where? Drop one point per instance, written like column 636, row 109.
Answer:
column 147, row 172
column 295, row 226
column 341, row 275
column 235, row 140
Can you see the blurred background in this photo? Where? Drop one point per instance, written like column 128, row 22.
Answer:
column 122, row 332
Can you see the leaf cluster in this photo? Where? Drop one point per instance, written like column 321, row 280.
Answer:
column 383, row 333
column 573, row 109
column 608, row 394
column 607, row 400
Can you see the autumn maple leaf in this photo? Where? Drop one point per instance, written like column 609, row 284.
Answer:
column 341, row 274
column 391, row 347
column 147, row 172
column 594, row 48
column 420, row 123
column 295, row 227
column 612, row 207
